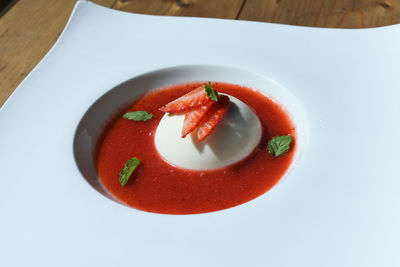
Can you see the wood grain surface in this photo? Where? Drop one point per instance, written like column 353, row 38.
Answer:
column 228, row 9
column 324, row 13
column 29, row 28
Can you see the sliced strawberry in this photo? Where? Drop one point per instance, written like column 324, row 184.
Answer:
column 213, row 117
column 194, row 117
column 193, row 99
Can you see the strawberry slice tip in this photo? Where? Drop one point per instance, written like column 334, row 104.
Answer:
column 213, row 117
column 194, row 117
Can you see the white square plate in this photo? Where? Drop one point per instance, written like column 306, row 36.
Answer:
column 340, row 206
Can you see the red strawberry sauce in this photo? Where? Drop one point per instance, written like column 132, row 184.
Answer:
column 156, row 186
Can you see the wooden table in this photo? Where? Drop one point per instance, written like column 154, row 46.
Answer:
column 29, row 28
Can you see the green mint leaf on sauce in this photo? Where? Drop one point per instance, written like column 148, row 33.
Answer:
column 279, row 145
column 138, row 116
column 126, row 172
column 210, row 92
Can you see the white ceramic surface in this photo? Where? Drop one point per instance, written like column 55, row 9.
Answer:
column 340, row 206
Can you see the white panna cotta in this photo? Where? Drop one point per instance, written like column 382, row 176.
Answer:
column 233, row 139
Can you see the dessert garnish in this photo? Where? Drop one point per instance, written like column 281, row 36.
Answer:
column 138, row 115
column 195, row 98
column 127, row 171
column 194, row 117
column 279, row 145
column 203, row 110
column 210, row 92
column 213, row 117
column 132, row 163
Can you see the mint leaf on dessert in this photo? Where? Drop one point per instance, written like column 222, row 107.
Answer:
column 210, row 92
column 127, row 171
column 279, row 145
column 138, row 116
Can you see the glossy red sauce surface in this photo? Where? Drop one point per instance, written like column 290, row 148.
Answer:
column 156, row 186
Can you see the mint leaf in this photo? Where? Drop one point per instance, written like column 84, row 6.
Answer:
column 210, row 92
column 126, row 172
column 138, row 116
column 279, row 145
